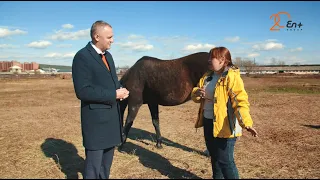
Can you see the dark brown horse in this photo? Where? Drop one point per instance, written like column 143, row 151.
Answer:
column 160, row 82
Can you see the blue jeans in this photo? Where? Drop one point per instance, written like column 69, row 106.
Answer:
column 222, row 153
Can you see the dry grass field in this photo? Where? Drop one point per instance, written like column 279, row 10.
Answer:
column 40, row 134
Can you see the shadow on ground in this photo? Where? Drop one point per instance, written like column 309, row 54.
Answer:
column 312, row 126
column 65, row 155
column 140, row 135
column 155, row 161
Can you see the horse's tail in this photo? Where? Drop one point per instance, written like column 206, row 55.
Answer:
column 123, row 106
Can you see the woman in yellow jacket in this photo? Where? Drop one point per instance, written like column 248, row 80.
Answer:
column 223, row 112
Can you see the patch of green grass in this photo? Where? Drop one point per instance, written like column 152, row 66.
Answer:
column 298, row 90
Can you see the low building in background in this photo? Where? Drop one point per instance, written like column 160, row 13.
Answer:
column 15, row 69
column 278, row 69
column 5, row 66
column 39, row 71
column 29, row 66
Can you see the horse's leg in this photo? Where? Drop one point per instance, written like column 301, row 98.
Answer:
column 133, row 108
column 123, row 106
column 154, row 110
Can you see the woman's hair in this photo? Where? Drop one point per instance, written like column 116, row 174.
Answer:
column 221, row 53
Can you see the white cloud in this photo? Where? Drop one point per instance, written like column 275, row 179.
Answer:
column 296, row 49
column 271, row 40
column 10, row 56
column 69, row 55
column 259, row 42
column 39, row 44
column 51, row 55
column 232, row 39
column 199, row 47
column 7, row 46
column 64, row 45
column 67, row 26
column 5, row 32
column 143, row 47
column 60, row 55
column 61, row 35
column 268, row 46
column 253, row 55
column 19, row 56
column 135, row 36
column 136, row 46
column 173, row 46
column 172, row 42
column 169, row 39
column 240, row 50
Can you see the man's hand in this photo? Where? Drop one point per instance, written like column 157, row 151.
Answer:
column 122, row 93
column 252, row 131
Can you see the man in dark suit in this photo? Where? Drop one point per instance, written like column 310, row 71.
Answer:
column 96, row 85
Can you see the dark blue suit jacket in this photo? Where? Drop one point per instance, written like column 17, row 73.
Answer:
column 96, row 87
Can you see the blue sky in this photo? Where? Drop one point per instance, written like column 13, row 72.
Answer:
column 52, row 32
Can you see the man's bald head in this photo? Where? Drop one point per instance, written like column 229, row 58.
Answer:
column 96, row 27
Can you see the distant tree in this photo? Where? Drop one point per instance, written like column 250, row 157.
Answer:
column 281, row 63
column 245, row 64
column 125, row 67
column 273, row 61
column 248, row 65
column 238, row 62
column 276, row 62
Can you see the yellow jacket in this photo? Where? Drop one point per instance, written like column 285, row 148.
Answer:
column 231, row 118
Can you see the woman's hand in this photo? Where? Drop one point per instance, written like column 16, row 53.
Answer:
column 252, row 131
column 200, row 92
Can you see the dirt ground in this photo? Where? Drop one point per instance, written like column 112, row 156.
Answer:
column 40, row 135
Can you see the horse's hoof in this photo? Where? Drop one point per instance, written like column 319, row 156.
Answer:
column 120, row 147
column 159, row 146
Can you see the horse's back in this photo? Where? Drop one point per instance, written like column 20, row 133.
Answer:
column 165, row 82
